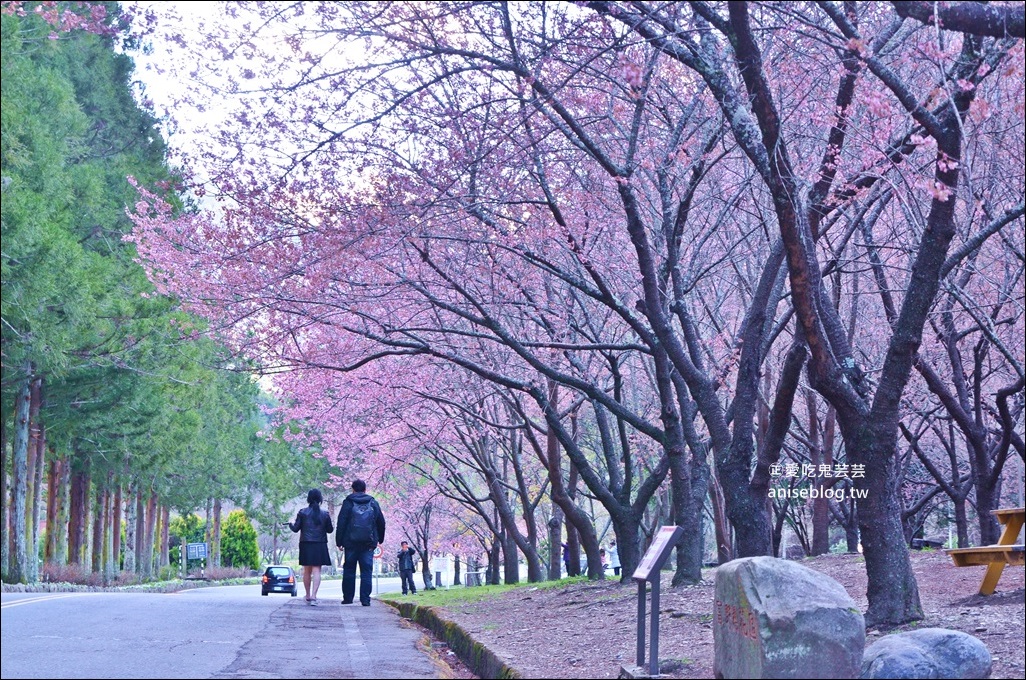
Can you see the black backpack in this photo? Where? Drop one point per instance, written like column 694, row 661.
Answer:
column 363, row 526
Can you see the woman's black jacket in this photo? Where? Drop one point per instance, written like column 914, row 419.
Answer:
column 313, row 524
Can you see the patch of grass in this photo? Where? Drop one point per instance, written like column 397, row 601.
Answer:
column 669, row 666
column 442, row 597
column 447, row 597
column 568, row 581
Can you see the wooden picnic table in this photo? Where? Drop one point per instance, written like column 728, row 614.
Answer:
column 996, row 556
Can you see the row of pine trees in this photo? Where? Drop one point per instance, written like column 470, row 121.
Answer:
column 117, row 415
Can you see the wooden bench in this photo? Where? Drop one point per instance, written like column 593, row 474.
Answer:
column 996, row 556
column 985, row 554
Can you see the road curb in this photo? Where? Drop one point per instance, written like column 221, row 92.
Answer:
column 481, row 660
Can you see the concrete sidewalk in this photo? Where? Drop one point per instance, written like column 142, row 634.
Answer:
column 333, row 640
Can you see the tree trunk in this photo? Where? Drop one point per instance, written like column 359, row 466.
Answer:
column 851, row 531
column 5, row 533
column 509, row 525
column 984, row 471
column 79, row 524
column 35, row 476
column 628, row 544
column 140, row 533
column 37, row 503
column 724, row 533
column 555, row 544
column 701, row 475
column 150, row 531
column 53, row 501
column 573, row 537
column 116, row 527
column 98, row 503
column 578, row 523
column 215, row 536
column 425, row 568
column 165, row 542
column 110, row 569
column 986, row 499
column 62, row 526
column 131, row 508
column 208, row 536
column 892, row 592
column 527, row 541
column 689, row 550
column 820, row 456
column 510, row 559
column 556, row 521
column 778, row 530
column 961, row 523
column 20, row 473
column 745, row 507
column 494, row 557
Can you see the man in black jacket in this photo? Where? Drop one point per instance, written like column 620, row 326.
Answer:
column 359, row 530
column 406, row 557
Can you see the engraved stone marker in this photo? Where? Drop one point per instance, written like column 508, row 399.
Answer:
column 776, row 619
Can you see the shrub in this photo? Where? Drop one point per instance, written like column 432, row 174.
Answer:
column 239, row 541
column 79, row 575
column 226, row 573
column 168, row 572
column 184, row 529
column 187, row 529
column 65, row 573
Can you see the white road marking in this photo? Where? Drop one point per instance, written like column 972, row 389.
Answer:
column 41, row 598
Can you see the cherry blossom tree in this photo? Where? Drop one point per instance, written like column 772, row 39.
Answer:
column 564, row 200
column 501, row 213
column 936, row 102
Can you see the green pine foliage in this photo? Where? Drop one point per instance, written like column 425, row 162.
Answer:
column 126, row 386
column 133, row 394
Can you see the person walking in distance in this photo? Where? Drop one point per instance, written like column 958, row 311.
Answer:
column 614, row 557
column 361, row 528
column 406, row 556
column 313, row 525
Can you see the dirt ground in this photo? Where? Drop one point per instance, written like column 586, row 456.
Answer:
column 588, row 630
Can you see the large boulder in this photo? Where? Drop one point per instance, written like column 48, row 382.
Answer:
column 777, row 619
column 927, row 653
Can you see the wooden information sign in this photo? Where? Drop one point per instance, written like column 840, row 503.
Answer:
column 648, row 570
column 656, row 555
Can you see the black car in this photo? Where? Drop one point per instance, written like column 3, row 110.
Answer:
column 279, row 578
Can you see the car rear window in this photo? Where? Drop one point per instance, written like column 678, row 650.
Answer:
column 278, row 571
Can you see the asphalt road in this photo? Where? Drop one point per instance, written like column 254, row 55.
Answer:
column 216, row 632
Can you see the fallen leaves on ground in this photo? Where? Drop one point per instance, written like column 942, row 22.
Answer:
column 587, row 630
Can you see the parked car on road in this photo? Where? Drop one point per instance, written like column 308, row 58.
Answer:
column 279, row 578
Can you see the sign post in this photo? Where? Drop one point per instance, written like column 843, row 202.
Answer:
column 439, row 564
column 648, row 570
column 378, row 553
column 196, row 551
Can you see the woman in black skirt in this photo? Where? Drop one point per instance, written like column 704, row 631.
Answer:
column 314, row 526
